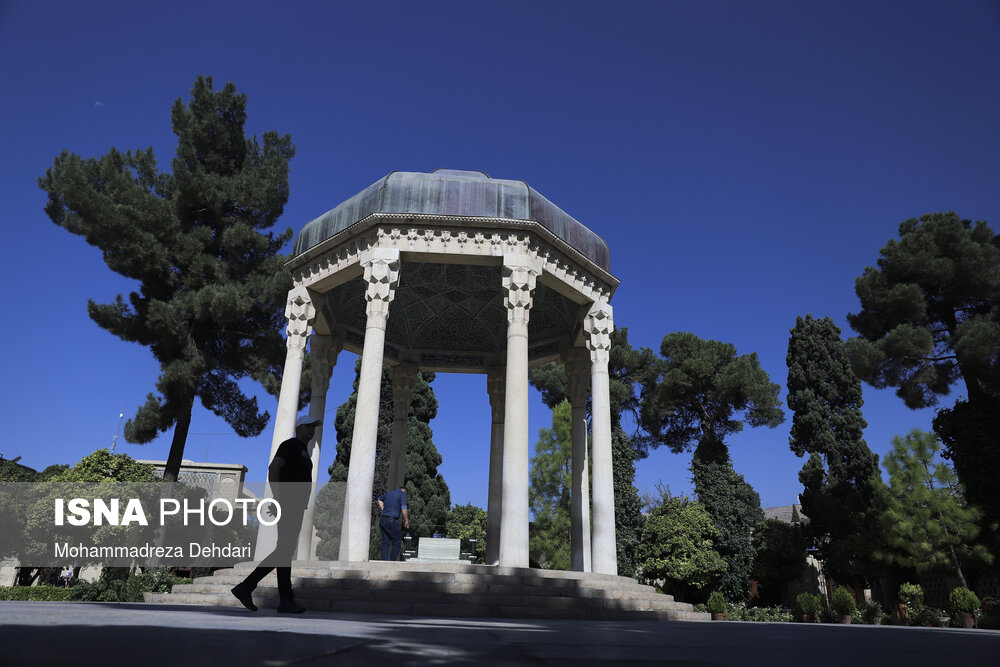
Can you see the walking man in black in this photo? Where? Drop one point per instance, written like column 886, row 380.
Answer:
column 393, row 504
column 290, row 476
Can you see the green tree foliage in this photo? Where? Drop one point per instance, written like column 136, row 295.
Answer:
column 211, row 285
column 926, row 524
column 930, row 312
column 100, row 466
column 12, row 471
column 697, row 388
column 780, row 557
column 968, row 433
column 696, row 394
column 549, row 492
column 626, row 369
column 677, row 548
column 427, row 492
column 841, row 478
column 468, row 522
column 735, row 509
column 628, row 506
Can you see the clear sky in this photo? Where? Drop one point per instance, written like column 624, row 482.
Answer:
column 744, row 161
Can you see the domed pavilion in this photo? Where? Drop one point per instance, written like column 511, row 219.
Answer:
column 454, row 271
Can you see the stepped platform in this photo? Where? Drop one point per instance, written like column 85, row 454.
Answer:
column 444, row 589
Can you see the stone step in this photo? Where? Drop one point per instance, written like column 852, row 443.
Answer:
column 445, row 595
column 444, row 589
column 430, row 584
column 432, row 608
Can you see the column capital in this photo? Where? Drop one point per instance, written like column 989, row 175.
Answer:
column 323, row 352
column 496, row 386
column 301, row 313
column 404, row 382
column 519, row 274
column 598, row 325
column 381, row 267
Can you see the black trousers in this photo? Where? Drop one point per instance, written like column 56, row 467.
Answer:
column 281, row 557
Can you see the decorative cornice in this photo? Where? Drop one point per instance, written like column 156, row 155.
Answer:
column 458, row 236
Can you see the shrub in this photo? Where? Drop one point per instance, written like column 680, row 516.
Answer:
column 989, row 613
column 963, row 600
column 842, row 602
column 740, row 612
column 41, row 593
column 716, row 603
column 808, row 603
column 912, row 595
column 116, row 585
column 826, row 614
column 871, row 613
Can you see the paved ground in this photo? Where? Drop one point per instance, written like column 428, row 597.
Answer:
column 108, row 634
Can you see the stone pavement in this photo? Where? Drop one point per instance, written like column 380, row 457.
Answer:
column 109, row 634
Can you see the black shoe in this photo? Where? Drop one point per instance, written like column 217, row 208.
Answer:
column 242, row 593
column 290, row 607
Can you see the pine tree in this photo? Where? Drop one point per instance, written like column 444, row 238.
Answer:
column 691, row 399
column 211, row 284
column 549, row 492
column 841, row 477
column 926, row 524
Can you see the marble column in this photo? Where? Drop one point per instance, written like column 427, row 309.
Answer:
column 598, row 326
column 404, row 381
column 381, row 266
column 323, row 353
column 519, row 275
column 578, row 376
column 495, row 381
column 300, row 312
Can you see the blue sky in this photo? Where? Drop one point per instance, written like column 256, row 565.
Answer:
column 744, row 162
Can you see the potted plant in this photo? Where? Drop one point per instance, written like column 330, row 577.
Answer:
column 912, row 597
column 842, row 603
column 716, row 606
column 871, row 612
column 808, row 605
column 964, row 603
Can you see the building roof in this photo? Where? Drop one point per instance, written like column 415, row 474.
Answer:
column 455, row 193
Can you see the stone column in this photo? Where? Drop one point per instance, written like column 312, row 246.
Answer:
column 495, row 381
column 598, row 326
column 404, row 381
column 323, row 352
column 300, row 312
column 381, row 267
column 578, row 376
column 519, row 275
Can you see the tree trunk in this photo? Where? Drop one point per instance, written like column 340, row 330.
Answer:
column 176, row 455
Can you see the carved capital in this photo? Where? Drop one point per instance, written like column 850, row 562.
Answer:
column 578, row 376
column 519, row 274
column 300, row 312
column 404, row 382
column 598, row 325
column 496, row 387
column 381, row 267
column 323, row 351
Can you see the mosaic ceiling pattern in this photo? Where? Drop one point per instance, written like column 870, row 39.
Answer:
column 454, row 308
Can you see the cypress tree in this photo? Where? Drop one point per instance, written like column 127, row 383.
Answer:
column 211, row 285
column 841, row 478
column 427, row 492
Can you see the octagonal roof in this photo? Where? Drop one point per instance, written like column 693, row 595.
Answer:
column 450, row 192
